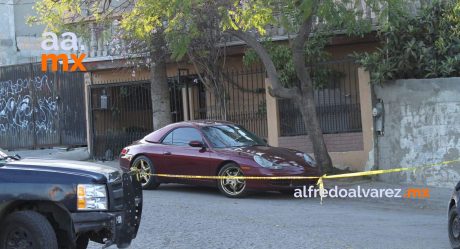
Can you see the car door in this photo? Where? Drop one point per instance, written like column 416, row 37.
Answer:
column 182, row 159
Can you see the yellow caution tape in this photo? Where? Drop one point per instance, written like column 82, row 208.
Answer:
column 320, row 182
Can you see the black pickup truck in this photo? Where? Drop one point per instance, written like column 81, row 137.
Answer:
column 54, row 204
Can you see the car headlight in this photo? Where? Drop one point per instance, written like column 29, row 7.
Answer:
column 308, row 159
column 91, row 197
column 266, row 163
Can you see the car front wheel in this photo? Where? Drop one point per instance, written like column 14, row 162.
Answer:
column 454, row 228
column 27, row 230
column 233, row 188
column 145, row 166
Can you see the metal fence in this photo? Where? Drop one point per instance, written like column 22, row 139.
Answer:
column 336, row 97
column 121, row 113
column 240, row 98
column 40, row 109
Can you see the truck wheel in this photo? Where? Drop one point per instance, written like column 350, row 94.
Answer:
column 454, row 228
column 145, row 165
column 28, row 230
column 82, row 242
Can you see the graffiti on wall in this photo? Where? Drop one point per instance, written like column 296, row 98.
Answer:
column 28, row 105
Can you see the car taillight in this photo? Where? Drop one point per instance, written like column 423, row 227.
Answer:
column 124, row 151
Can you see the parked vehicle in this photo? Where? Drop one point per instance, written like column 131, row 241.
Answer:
column 216, row 148
column 51, row 204
column 454, row 218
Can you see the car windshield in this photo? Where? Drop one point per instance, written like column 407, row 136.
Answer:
column 225, row 136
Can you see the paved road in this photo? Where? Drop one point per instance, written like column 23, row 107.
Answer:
column 178, row 216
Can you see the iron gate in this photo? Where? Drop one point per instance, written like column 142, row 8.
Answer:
column 239, row 98
column 40, row 109
column 121, row 113
column 336, row 97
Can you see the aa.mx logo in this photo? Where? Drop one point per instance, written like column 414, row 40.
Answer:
column 69, row 42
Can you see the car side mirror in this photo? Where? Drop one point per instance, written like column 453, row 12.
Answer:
column 265, row 140
column 197, row 144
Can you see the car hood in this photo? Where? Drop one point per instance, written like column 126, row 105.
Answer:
column 282, row 156
column 94, row 170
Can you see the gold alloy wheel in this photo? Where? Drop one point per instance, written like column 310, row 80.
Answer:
column 144, row 169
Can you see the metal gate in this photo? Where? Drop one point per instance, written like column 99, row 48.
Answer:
column 239, row 98
column 121, row 113
column 336, row 97
column 40, row 109
column 188, row 95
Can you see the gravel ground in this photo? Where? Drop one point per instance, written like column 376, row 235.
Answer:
column 180, row 216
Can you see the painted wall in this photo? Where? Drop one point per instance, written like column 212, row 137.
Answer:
column 422, row 126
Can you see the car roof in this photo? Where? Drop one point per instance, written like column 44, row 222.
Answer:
column 204, row 122
column 157, row 135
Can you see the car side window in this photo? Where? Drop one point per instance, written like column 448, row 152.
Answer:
column 182, row 136
column 168, row 139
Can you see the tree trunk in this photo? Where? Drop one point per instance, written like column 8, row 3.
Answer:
column 303, row 95
column 305, row 98
column 161, row 106
column 306, row 104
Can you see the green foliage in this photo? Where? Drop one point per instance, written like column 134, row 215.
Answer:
column 282, row 58
column 179, row 20
column 68, row 15
column 315, row 52
column 426, row 45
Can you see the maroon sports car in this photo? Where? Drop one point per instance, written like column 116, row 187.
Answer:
column 210, row 148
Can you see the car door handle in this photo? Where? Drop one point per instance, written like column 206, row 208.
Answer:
column 167, row 153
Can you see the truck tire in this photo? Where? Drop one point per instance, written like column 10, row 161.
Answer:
column 454, row 228
column 82, row 242
column 27, row 229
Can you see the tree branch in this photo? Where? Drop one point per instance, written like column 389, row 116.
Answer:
column 298, row 47
column 277, row 89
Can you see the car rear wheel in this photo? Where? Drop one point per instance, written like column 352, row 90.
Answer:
column 454, row 228
column 27, row 230
column 233, row 188
column 145, row 165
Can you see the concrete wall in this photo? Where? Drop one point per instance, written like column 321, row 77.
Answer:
column 19, row 42
column 7, row 31
column 422, row 126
